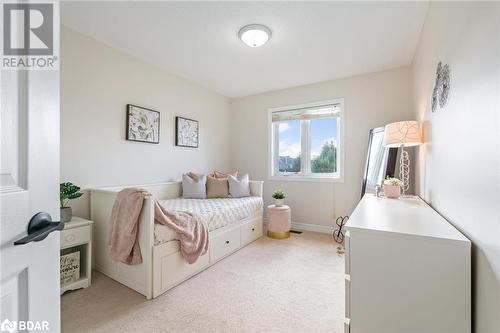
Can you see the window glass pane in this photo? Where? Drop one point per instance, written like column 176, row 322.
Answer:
column 289, row 146
column 324, row 145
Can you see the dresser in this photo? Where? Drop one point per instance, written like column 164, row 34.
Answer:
column 407, row 269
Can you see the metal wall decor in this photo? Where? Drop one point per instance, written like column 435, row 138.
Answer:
column 441, row 89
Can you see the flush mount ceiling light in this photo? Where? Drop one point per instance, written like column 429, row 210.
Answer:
column 254, row 35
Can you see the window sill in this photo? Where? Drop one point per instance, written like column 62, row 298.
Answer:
column 312, row 179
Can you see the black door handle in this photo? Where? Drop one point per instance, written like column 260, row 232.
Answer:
column 39, row 228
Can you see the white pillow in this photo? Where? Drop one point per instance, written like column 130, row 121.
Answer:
column 192, row 189
column 239, row 188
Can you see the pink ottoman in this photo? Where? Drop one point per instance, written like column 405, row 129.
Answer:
column 278, row 221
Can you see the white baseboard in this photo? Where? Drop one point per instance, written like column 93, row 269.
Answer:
column 324, row 229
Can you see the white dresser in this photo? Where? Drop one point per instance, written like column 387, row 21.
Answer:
column 407, row 269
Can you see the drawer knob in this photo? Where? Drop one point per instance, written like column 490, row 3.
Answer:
column 253, row 229
column 227, row 242
column 70, row 238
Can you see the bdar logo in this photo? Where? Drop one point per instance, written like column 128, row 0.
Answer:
column 8, row 326
column 28, row 29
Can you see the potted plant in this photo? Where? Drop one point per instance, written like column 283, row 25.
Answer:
column 279, row 198
column 67, row 191
column 392, row 188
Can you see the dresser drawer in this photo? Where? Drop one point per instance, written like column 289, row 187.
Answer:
column 71, row 237
column 224, row 244
column 250, row 231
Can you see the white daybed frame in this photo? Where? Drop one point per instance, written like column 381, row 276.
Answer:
column 163, row 267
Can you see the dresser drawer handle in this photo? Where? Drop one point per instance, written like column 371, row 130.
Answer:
column 253, row 229
column 227, row 242
column 70, row 238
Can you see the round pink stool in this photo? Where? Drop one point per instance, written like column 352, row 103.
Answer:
column 278, row 221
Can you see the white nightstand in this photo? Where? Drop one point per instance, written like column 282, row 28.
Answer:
column 77, row 236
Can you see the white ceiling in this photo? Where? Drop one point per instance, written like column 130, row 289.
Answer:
column 311, row 41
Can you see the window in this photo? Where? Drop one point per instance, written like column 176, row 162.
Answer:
column 306, row 142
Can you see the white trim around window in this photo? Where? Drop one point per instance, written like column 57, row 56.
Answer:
column 273, row 145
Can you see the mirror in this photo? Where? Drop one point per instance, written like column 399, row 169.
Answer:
column 380, row 161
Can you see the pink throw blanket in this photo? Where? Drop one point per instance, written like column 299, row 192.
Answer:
column 193, row 232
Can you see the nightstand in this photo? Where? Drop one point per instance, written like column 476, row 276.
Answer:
column 76, row 237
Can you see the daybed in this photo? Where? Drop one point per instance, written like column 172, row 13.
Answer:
column 233, row 223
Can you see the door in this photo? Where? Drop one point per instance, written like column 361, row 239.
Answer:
column 29, row 183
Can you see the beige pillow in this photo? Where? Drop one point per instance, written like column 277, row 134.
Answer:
column 217, row 188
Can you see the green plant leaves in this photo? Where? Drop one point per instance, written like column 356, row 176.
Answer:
column 68, row 191
column 279, row 195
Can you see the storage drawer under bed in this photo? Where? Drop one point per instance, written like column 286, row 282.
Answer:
column 251, row 230
column 225, row 243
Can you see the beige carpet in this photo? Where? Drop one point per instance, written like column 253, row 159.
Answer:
column 294, row 285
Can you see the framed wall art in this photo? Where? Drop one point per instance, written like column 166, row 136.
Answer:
column 186, row 132
column 143, row 124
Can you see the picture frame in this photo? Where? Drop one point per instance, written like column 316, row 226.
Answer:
column 186, row 132
column 143, row 124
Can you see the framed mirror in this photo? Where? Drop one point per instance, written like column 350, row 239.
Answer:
column 380, row 161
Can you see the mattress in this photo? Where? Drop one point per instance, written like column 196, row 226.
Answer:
column 216, row 213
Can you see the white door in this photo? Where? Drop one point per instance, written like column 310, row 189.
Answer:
column 29, row 183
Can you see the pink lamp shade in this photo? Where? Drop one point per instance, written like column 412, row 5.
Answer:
column 402, row 133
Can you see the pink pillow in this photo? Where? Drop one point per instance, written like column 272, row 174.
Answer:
column 193, row 176
column 221, row 175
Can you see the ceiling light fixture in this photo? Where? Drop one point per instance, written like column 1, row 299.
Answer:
column 254, row 35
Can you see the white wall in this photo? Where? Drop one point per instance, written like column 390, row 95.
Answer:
column 96, row 84
column 371, row 100
column 458, row 166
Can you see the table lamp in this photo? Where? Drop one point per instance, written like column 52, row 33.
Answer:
column 403, row 134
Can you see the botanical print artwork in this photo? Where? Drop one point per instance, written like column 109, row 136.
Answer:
column 186, row 132
column 143, row 124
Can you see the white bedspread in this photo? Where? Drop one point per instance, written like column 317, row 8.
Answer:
column 217, row 213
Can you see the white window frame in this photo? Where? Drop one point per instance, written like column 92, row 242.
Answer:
column 273, row 149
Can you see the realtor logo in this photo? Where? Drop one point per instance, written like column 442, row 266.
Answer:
column 28, row 28
column 7, row 325
column 22, row 325
column 28, row 38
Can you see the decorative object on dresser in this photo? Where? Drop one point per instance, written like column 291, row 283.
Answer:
column 163, row 266
column 392, row 188
column 278, row 221
column 380, row 161
column 403, row 134
column 338, row 232
column 186, row 132
column 279, row 198
column 143, row 124
column 67, row 191
column 76, row 254
column 407, row 269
